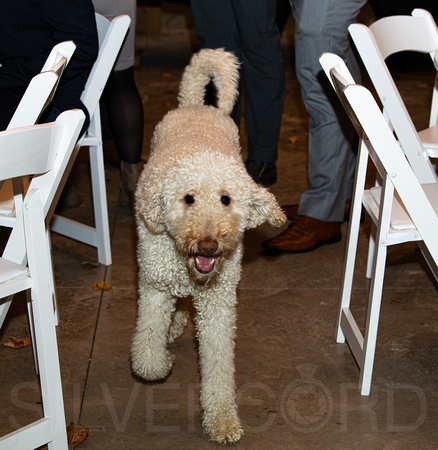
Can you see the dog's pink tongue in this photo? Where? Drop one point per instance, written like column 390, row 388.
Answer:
column 204, row 264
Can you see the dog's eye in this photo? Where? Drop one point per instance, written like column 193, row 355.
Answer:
column 189, row 199
column 225, row 200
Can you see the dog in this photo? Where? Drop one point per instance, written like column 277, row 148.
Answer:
column 193, row 202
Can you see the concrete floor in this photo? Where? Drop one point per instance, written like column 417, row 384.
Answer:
column 297, row 388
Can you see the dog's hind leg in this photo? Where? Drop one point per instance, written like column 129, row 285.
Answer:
column 179, row 322
column 149, row 355
column 216, row 331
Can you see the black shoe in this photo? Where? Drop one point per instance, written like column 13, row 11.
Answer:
column 263, row 173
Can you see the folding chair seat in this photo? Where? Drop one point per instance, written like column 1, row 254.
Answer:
column 37, row 96
column 44, row 152
column 402, row 210
column 111, row 36
column 385, row 37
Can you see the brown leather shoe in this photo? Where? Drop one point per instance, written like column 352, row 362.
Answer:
column 291, row 211
column 304, row 235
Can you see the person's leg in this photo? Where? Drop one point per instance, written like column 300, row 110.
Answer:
column 125, row 113
column 322, row 26
column 263, row 77
column 248, row 30
column 215, row 27
column 122, row 101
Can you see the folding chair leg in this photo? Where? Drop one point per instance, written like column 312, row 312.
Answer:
column 371, row 250
column 348, row 272
column 45, row 330
column 429, row 259
column 352, row 240
column 55, row 304
column 4, row 308
column 100, row 204
column 376, row 288
column 53, row 288
column 372, row 322
column 99, row 236
column 32, row 330
column 49, row 370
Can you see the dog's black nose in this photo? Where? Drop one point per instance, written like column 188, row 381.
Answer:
column 207, row 246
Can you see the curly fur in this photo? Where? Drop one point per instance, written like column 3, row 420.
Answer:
column 194, row 201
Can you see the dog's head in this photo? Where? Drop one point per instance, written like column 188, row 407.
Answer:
column 195, row 187
column 205, row 204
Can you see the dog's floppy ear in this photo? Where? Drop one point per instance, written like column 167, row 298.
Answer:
column 150, row 208
column 264, row 208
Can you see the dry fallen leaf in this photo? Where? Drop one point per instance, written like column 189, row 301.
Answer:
column 293, row 139
column 102, row 285
column 90, row 263
column 76, row 434
column 18, row 342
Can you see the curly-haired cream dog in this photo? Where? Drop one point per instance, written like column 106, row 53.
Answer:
column 194, row 201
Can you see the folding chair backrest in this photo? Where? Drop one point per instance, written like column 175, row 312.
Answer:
column 36, row 98
column 38, row 95
column 385, row 151
column 48, row 167
column 417, row 33
column 62, row 50
column 383, row 38
column 42, row 87
column 17, row 160
column 111, row 35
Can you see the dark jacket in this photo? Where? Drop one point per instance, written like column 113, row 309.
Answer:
column 29, row 29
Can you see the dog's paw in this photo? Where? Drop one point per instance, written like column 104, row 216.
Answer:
column 151, row 365
column 225, row 430
column 177, row 326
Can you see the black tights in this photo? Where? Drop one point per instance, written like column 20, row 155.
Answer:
column 125, row 114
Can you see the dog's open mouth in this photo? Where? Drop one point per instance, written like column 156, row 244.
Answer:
column 204, row 264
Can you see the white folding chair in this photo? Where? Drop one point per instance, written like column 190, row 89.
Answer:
column 44, row 152
column 385, row 37
column 37, row 96
column 402, row 210
column 111, row 36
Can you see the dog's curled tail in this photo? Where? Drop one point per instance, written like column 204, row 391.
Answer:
column 218, row 65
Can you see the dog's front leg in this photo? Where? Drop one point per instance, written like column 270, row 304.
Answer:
column 149, row 355
column 216, row 331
